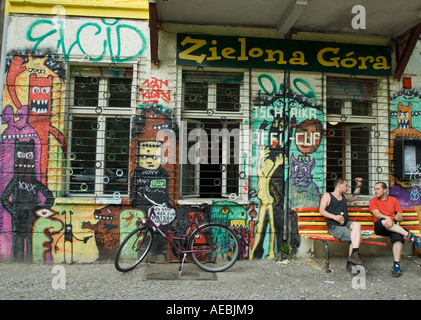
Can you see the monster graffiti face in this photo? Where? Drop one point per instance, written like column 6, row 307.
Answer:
column 404, row 116
column 301, row 172
column 150, row 154
column 25, row 159
column 40, row 94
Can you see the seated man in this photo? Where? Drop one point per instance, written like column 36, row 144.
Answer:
column 386, row 211
column 333, row 206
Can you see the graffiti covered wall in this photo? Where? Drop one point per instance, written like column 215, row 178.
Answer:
column 36, row 222
column 287, row 128
column 32, row 113
column 405, row 135
column 41, row 221
column 405, row 123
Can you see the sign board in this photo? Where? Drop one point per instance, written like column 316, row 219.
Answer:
column 268, row 53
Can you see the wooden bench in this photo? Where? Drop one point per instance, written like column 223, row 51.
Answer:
column 312, row 225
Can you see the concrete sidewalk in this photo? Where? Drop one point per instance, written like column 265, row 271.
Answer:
column 296, row 279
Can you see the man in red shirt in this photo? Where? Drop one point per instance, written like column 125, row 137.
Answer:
column 387, row 211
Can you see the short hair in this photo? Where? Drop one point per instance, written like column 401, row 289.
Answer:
column 338, row 181
column 384, row 185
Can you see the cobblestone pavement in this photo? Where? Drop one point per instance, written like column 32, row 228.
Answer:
column 294, row 279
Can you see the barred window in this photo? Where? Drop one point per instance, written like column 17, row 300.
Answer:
column 99, row 130
column 212, row 135
column 351, row 106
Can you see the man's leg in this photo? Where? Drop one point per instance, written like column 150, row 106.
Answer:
column 355, row 235
column 397, row 240
column 354, row 255
column 397, row 251
column 398, row 229
column 396, row 234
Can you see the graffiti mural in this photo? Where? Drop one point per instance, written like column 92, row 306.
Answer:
column 305, row 175
column 405, row 123
column 280, row 141
column 31, row 81
column 153, row 141
column 74, row 230
column 39, row 222
column 233, row 215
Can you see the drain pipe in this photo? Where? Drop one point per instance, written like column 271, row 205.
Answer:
column 3, row 58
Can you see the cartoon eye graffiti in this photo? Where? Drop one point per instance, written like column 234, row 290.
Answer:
column 44, row 213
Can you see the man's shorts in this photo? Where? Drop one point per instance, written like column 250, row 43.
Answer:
column 380, row 230
column 342, row 233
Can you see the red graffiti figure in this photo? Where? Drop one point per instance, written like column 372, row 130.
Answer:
column 39, row 117
column 39, row 102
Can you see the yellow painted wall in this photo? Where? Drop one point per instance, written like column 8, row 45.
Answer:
column 131, row 9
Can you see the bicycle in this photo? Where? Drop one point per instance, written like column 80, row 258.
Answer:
column 213, row 247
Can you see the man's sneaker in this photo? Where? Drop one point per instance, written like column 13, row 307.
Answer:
column 355, row 258
column 415, row 239
column 396, row 271
column 349, row 266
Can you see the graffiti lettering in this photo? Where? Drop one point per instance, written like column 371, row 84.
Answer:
column 304, row 113
column 27, row 186
column 155, row 92
column 307, row 138
column 42, row 29
column 416, row 174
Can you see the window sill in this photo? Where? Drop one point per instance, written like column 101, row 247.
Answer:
column 77, row 199
column 196, row 201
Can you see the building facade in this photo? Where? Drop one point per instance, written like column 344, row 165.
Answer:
column 251, row 123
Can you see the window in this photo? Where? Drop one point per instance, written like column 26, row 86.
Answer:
column 212, row 135
column 407, row 158
column 99, row 114
column 351, row 106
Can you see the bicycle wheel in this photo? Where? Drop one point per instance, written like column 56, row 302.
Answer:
column 215, row 247
column 133, row 249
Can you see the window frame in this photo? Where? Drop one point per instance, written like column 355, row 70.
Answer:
column 351, row 121
column 242, row 116
column 101, row 115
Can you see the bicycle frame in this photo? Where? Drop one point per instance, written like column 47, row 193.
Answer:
column 206, row 242
column 166, row 234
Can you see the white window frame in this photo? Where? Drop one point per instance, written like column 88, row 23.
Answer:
column 244, row 142
column 100, row 115
column 376, row 144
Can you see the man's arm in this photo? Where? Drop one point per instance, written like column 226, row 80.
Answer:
column 357, row 191
column 324, row 202
column 388, row 221
column 398, row 211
